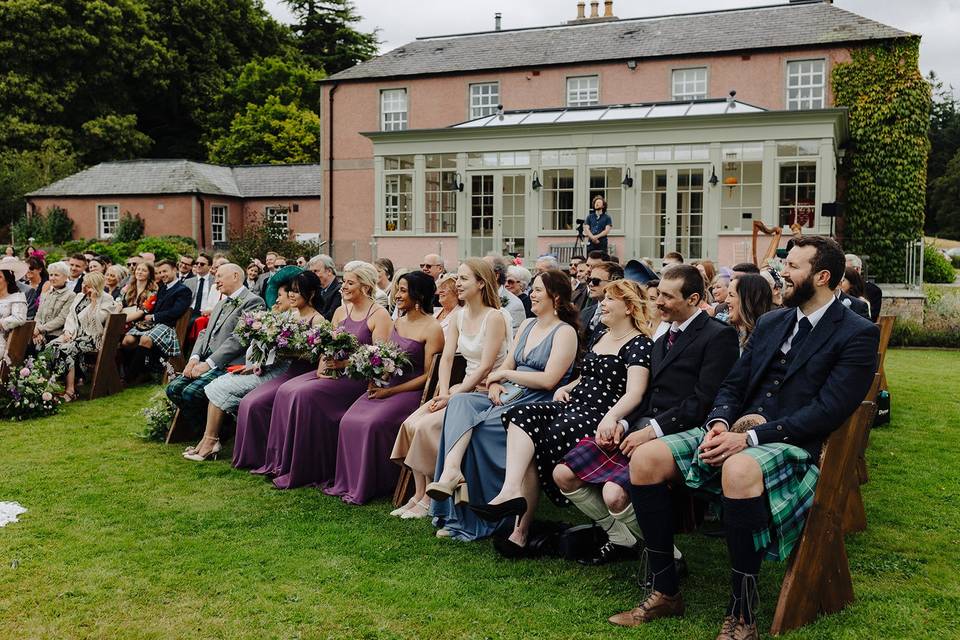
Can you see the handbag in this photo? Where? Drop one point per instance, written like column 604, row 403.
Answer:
column 511, row 392
column 581, row 542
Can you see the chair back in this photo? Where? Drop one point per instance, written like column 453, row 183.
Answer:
column 18, row 340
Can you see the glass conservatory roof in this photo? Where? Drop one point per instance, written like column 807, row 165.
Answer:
column 612, row 112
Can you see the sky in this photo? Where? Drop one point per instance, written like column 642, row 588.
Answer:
column 401, row 21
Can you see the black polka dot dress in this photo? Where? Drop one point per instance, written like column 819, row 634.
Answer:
column 557, row 427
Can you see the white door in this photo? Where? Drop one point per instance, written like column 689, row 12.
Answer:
column 670, row 202
column 497, row 214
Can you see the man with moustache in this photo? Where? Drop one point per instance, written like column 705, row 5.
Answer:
column 804, row 371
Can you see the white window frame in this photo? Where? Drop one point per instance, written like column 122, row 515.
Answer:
column 685, row 87
column 809, row 93
column 813, row 161
column 102, row 221
column 393, row 199
column 551, row 217
column 392, row 116
column 484, row 99
column 218, row 229
column 434, row 212
column 579, row 95
column 278, row 213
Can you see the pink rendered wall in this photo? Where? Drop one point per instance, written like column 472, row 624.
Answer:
column 306, row 220
column 440, row 101
column 174, row 219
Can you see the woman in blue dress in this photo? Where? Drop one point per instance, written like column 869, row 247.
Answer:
column 473, row 443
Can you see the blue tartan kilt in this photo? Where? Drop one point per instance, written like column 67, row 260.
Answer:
column 789, row 477
column 595, row 465
column 164, row 338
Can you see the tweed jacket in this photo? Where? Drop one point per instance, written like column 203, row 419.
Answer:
column 218, row 342
column 53, row 311
column 92, row 320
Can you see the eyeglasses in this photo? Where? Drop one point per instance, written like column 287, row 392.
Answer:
column 201, row 264
column 596, row 282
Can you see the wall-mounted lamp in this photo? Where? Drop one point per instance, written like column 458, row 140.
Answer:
column 631, row 64
column 628, row 181
column 456, row 184
column 713, row 176
column 536, row 184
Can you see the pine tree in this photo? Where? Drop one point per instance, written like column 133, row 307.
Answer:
column 326, row 35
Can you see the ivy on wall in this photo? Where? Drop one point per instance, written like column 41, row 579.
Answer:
column 889, row 103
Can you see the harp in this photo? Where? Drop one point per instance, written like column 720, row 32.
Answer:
column 775, row 232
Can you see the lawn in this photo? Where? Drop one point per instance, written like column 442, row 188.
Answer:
column 124, row 539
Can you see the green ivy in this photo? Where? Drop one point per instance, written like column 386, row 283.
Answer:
column 889, row 106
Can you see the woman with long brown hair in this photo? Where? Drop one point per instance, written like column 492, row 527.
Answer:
column 614, row 376
column 748, row 297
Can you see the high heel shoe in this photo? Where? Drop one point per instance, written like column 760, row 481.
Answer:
column 196, row 457
column 443, row 490
column 515, row 507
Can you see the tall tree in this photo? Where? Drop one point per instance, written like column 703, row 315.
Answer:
column 273, row 133
column 326, row 35
column 943, row 216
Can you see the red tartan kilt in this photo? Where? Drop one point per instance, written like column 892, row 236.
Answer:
column 595, row 465
column 197, row 326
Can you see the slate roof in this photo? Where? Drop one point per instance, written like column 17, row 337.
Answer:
column 147, row 177
column 771, row 27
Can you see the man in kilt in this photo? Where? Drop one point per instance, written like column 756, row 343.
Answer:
column 156, row 332
column 804, row 371
column 217, row 345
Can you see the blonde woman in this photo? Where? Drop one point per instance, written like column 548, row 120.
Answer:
column 447, row 297
column 83, row 331
column 613, row 379
column 113, row 277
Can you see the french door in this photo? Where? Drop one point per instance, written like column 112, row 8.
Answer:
column 497, row 211
column 670, row 211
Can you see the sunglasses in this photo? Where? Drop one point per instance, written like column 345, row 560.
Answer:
column 131, row 265
column 596, row 282
column 424, row 265
column 512, row 281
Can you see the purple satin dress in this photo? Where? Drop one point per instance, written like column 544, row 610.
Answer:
column 302, row 442
column 367, row 432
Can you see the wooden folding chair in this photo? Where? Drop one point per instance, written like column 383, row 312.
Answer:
column 18, row 340
column 818, row 574
column 402, row 491
column 886, row 330
column 106, row 378
column 181, row 328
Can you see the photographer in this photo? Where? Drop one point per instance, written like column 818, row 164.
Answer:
column 598, row 225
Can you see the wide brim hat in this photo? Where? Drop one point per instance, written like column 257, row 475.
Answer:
column 638, row 271
column 16, row 265
column 283, row 277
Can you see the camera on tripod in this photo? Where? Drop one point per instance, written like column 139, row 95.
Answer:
column 580, row 223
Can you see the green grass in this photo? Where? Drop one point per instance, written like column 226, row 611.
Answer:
column 125, row 539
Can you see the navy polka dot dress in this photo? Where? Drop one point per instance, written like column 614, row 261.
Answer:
column 557, row 427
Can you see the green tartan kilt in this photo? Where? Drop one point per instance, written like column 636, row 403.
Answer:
column 789, row 476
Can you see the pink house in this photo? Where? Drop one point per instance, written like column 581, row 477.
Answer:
column 497, row 140
column 179, row 197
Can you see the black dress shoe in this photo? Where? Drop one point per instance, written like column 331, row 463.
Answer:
column 515, row 507
column 610, row 552
column 682, row 572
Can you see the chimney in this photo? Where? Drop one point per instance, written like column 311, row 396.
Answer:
column 594, row 8
column 607, row 8
column 581, row 10
column 496, row 21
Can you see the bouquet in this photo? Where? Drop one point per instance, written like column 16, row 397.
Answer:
column 333, row 344
column 159, row 416
column 31, row 391
column 378, row 363
column 269, row 334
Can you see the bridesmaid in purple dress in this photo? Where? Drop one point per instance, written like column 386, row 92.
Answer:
column 302, row 442
column 370, row 425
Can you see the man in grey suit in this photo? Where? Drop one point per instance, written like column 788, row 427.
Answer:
column 217, row 346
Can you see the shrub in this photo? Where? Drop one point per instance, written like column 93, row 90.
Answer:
column 104, row 249
column 941, row 322
column 936, row 267
column 32, row 226
column 260, row 235
column 955, row 260
column 130, row 228
column 58, row 227
column 75, row 246
column 162, row 249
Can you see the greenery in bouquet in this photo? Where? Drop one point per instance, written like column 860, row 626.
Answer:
column 159, row 416
column 31, row 391
column 333, row 344
column 378, row 363
column 270, row 334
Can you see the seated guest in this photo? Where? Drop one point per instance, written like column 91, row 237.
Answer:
column 82, row 331
column 517, row 283
column 13, row 304
column 217, row 346
column 546, row 263
column 369, row 427
column 671, row 259
column 201, row 284
column 748, row 298
column 613, row 379
column 330, row 296
column 709, row 273
column 473, row 444
column 508, row 301
column 850, row 293
column 686, row 369
column 78, row 267
column 113, row 276
column 871, row 292
column 581, row 290
column 95, row 266
column 660, row 326
column 300, row 437
column 600, row 276
column 719, row 290
column 253, row 276
column 775, row 282
column 157, row 329
column 805, row 370
column 294, row 297
column 745, row 267
column 141, row 287
column 449, row 302
column 385, row 271
column 36, row 278
column 54, row 305
column 480, row 335
column 185, row 268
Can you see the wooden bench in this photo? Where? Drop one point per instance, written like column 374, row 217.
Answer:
column 402, row 491
column 18, row 341
column 818, row 572
column 106, row 378
column 886, row 330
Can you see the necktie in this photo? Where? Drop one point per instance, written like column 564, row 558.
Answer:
column 804, row 328
column 199, row 300
column 672, row 337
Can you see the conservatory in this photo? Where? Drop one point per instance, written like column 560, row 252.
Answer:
column 680, row 176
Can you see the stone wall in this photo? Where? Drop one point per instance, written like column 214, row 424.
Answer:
column 903, row 302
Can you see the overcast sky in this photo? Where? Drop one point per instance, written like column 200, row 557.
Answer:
column 401, row 21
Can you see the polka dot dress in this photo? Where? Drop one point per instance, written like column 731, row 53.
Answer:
column 555, row 427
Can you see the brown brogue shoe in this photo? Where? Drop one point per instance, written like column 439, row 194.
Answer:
column 737, row 629
column 657, row 605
